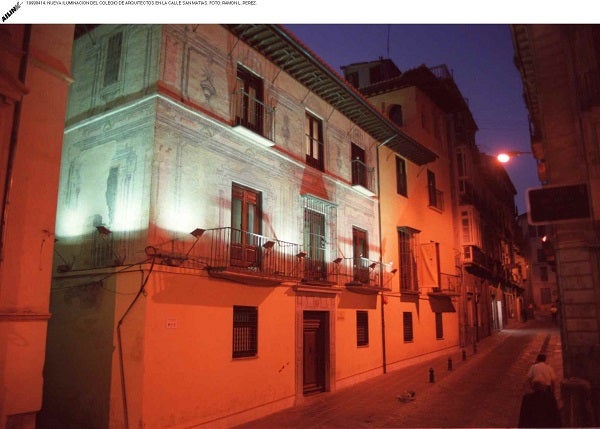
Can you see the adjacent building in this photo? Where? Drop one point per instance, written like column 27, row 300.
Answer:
column 469, row 244
column 35, row 63
column 559, row 67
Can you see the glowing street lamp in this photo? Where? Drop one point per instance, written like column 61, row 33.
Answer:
column 504, row 157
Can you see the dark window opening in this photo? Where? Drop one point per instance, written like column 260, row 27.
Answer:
column 408, row 326
column 314, row 142
column 362, row 328
column 245, row 331
column 113, row 59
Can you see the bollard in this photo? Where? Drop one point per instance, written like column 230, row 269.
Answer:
column 431, row 376
column 449, row 364
column 464, row 355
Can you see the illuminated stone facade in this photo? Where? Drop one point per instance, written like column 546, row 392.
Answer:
column 174, row 129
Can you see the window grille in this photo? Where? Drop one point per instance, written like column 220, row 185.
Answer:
column 245, row 331
column 113, row 59
column 362, row 328
column 439, row 326
column 408, row 326
column 407, row 247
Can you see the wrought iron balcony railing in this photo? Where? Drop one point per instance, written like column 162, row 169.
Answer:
column 253, row 115
column 363, row 177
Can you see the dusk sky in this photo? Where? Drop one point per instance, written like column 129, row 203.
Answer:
column 480, row 58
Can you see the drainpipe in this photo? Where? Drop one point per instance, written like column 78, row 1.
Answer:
column 14, row 136
column 383, row 345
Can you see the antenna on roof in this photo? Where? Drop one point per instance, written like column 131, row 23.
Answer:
column 388, row 41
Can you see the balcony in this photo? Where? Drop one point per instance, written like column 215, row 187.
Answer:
column 254, row 120
column 477, row 262
column 363, row 178
column 232, row 254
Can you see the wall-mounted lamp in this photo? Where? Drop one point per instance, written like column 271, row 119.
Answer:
column 504, row 157
column 301, row 255
column 268, row 244
column 103, row 230
column 373, row 265
column 338, row 260
column 394, row 271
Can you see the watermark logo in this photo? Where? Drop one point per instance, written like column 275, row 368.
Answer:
column 11, row 11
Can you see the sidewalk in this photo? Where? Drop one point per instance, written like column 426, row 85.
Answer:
column 368, row 404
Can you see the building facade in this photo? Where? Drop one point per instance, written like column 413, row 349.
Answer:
column 559, row 67
column 35, row 67
column 471, row 217
column 416, row 216
column 218, row 223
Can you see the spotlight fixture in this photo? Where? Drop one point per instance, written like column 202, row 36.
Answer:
column 268, row 244
column 338, row 260
column 103, row 230
column 373, row 265
column 63, row 268
column 198, row 232
column 394, row 271
column 301, row 255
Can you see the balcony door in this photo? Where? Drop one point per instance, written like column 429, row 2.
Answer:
column 359, row 166
column 245, row 227
column 314, row 244
column 360, row 250
column 250, row 108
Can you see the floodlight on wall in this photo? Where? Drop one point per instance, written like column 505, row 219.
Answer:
column 198, row 232
column 301, row 255
column 268, row 244
column 373, row 265
column 103, row 230
column 338, row 260
column 394, row 271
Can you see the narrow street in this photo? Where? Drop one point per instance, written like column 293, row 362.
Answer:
column 484, row 390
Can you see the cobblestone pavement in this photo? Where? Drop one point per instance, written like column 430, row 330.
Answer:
column 485, row 390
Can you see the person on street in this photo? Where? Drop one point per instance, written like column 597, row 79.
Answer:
column 539, row 408
column 554, row 312
column 543, row 372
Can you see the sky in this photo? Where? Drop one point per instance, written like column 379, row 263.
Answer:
column 480, row 57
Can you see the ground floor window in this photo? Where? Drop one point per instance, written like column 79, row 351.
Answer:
column 439, row 326
column 245, row 331
column 408, row 326
column 362, row 328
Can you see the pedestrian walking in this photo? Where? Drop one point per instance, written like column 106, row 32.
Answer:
column 554, row 312
column 541, row 371
column 539, row 408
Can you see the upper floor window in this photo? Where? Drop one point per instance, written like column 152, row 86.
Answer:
column 249, row 100
column 396, row 114
column 112, row 65
column 245, row 226
column 359, row 167
column 407, row 249
column 401, row 177
column 435, row 196
column 245, row 331
column 313, row 129
column 439, row 326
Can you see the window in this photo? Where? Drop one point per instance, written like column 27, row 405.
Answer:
column 439, row 326
column 541, row 255
column 544, row 273
column 362, row 328
column 245, row 331
column 408, row 326
column 359, row 166
column 314, row 142
column 314, row 245
column 245, row 226
column 407, row 246
column 401, row 179
column 545, row 295
column 375, row 74
column 395, row 114
column 360, row 253
column 112, row 65
column 431, row 189
column 249, row 99
column 352, row 78
column 465, row 222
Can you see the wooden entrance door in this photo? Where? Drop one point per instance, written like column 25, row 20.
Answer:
column 315, row 351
